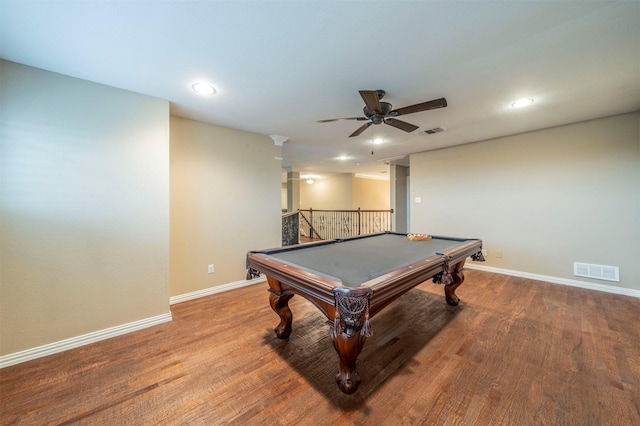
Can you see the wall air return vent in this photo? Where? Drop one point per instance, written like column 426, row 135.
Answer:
column 598, row 272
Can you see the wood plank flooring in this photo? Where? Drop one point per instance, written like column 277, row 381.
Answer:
column 515, row 352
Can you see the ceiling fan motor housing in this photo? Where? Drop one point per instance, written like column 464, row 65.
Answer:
column 375, row 116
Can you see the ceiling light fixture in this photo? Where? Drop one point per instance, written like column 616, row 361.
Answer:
column 308, row 178
column 203, row 88
column 522, row 103
column 378, row 141
column 343, row 157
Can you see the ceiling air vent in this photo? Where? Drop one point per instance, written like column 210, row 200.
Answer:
column 434, row 130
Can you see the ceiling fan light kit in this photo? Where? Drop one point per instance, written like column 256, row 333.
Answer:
column 378, row 112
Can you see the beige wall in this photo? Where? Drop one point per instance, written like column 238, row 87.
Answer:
column 344, row 191
column 332, row 192
column 84, row 207
column 545, row 198
column 370, row 194
column 225, row 201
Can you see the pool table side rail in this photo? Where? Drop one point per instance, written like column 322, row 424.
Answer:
column 389, row 287
column 462, row 251
column 294, row 247
column 429, row 264
column 305, row 282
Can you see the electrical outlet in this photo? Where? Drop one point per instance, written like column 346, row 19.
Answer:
column 211, row 268
column 484, row 252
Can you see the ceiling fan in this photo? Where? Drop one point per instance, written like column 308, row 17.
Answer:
column 378, row 112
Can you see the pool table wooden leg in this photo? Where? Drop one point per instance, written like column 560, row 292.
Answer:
column 348, row 348
column 450, row 289
column 279, row 302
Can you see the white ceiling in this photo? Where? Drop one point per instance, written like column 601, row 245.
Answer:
column 279, row 66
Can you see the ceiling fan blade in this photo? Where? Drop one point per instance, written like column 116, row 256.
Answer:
column 399, row 124
column 434, row 104
column 371, row 100
column 361, row 129
column 339, row 119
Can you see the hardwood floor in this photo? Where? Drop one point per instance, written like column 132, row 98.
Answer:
column 515, row 352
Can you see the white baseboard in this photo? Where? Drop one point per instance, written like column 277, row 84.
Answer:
column 214, row 290
column 85, row 339
column 556, row 280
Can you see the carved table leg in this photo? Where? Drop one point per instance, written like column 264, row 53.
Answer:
column 348, row 348
column 450, row 289
column 349, row 331
column 280, row 304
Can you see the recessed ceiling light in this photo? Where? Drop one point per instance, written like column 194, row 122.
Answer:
column 309, row 181
column 204, row 88
column 343, row 157
column 378, row 141
column 522, row 103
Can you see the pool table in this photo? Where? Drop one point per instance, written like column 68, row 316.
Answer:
column 351, row 280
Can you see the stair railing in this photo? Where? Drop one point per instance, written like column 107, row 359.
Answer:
column 331, row 224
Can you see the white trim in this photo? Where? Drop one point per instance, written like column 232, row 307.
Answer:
column 279, row 140
column 85, row 339
column 214, row 290
column 556, row 280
